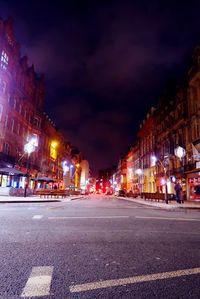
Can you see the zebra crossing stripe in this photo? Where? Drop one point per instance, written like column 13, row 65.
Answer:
column 39, row 282
column 37, row 217
column 131, row 280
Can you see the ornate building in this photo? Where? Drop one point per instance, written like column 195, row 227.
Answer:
column 29, row 140
column 170, row 132
column 21, row 104
column 146, row 150
column 133, row 165
column 193, row 128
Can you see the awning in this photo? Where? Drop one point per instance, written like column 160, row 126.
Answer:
column 44, row 179
column 11, row 171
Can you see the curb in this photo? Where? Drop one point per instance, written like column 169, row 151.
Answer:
column 75, row 198
column 38, row 201
column 28, row 201
column 162, row 206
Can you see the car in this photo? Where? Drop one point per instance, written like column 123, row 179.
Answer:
column 122, row 193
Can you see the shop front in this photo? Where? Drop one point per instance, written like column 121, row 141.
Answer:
column 193, row 186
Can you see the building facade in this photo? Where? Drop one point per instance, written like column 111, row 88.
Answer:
column 23, row 122
column 193, row 129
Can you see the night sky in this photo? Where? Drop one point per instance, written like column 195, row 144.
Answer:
column 105, row 62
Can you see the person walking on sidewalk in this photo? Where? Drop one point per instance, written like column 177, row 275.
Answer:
column 179, row 195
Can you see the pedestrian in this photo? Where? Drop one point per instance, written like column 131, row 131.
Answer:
column 178, row 189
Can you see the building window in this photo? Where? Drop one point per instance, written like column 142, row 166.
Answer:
column 2, row 86
column 20, row 109
column 36, row 122
column 6, row 121
column 12, row 125
column 24, row 132
column 9, row 97
column 18, row 129
column 196, row 130
column 14, row 104
column 194, row 100
column 1, row 111
column 6, row 148
column 4, row 60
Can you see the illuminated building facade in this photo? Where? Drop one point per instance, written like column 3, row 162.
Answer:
column 146, row 149
column 84, row 179
column 170, row 132
column 174, row 124
column 54, row 150
column 22, row 118
column 193, row 128
column 133, row 164
column 21, row 103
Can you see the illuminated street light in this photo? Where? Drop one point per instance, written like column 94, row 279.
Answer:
column 179, row 152
column 139, row 171
column 28, row 149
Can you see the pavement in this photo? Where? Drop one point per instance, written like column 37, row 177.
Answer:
column 163, row 205
column 32, row 199
column 170, row 205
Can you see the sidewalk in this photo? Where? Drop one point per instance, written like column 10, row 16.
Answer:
column 34, row 199
column 170, row 205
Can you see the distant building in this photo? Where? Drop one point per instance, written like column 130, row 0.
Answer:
column 84, row 174
column 169, row 140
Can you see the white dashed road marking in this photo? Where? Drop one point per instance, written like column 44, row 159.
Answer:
column 95, row 217
column 131, row 280
column 167, row 218
column 37, row 217
column 39, row 282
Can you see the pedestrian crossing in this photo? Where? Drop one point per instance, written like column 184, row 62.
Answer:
column 39, row 282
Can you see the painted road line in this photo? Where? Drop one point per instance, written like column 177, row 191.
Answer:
column 83, row 217
column 39, row 282
column 170, row 232
column 131, row 280
column 167, row 218
column 37, row 217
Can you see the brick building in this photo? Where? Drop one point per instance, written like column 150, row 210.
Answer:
column 23, row 121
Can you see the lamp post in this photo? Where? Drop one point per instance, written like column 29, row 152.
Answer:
column 154, row 160
column 28, row 149
column 179, row 152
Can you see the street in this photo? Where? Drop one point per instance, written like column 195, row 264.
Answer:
column 98, row 247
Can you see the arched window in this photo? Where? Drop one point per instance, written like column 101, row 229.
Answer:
column 1, row 111
column 4, row 60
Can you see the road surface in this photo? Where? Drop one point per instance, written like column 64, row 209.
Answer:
column 98, row 247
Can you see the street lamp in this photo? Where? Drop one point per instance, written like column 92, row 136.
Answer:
column 164, row 181
column 179, row 152
column 28, row 149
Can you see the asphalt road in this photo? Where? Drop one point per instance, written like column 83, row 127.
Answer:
column 98, row 247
